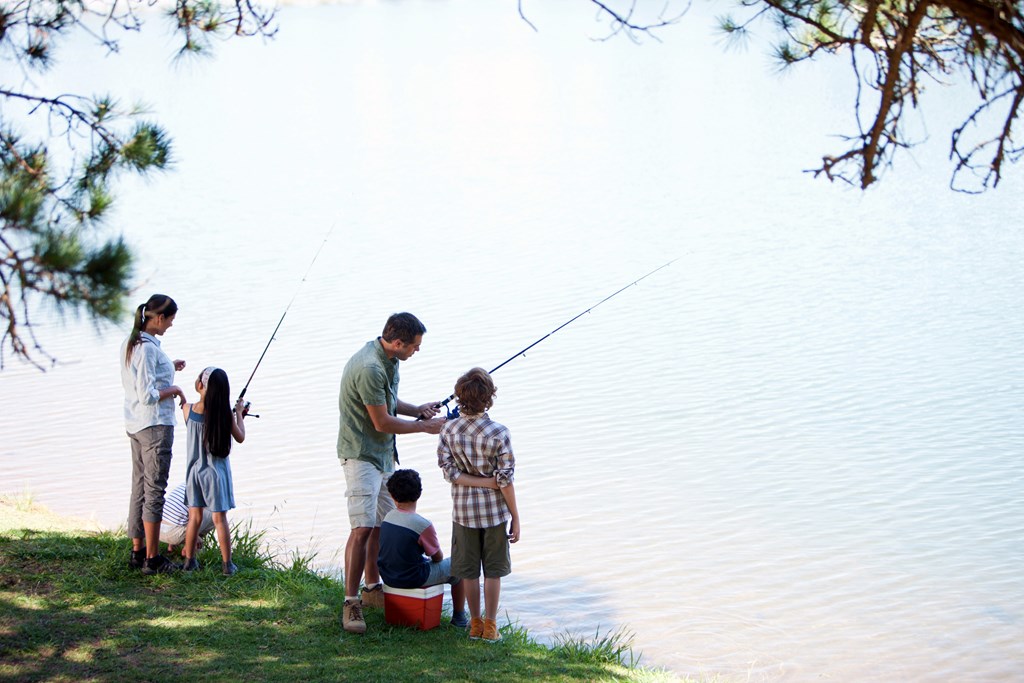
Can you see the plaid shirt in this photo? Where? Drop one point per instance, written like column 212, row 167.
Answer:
column 476, row 445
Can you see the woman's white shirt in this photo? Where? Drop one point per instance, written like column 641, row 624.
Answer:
column 149, row 371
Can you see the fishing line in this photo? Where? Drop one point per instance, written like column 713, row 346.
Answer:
column 455, row 413
column 274, row 333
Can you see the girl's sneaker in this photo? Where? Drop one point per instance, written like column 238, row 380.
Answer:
column 460, row 619
column 491, row 633
column 228, row 568
column 191, row 565
column 476, row 628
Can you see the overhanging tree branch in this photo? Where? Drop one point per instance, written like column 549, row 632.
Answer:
column 54, row 202
column 909, row 42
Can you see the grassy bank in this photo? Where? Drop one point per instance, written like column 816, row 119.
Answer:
column 71, row 610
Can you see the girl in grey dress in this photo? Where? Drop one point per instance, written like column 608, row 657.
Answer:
column 211, row 424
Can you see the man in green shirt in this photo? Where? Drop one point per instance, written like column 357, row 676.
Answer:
column 369, row 409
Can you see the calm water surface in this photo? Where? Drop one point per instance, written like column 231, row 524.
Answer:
column 793, row 455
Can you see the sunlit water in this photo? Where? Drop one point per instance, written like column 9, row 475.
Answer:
column 794, row 454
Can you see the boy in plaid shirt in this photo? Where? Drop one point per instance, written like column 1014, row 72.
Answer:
column 475, row 454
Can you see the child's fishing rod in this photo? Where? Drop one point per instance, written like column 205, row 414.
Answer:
column 274, row 333
column 455, row 413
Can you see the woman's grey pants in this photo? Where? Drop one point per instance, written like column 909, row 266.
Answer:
column 151, row 463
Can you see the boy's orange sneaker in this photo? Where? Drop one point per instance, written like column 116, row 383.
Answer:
column 491, row 633
column 476, row 628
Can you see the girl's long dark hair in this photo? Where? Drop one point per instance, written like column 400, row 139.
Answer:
column 156, row 305
column 217, row 417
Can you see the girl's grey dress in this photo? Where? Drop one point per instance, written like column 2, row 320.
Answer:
column 207, row 477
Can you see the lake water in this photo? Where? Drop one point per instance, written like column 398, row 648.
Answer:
column 792, row 455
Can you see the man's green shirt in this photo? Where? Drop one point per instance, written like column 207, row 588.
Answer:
column 370, row 379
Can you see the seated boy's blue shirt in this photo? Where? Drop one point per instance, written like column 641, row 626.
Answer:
column 404, row 538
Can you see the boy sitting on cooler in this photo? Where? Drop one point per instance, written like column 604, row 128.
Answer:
column 410, row 555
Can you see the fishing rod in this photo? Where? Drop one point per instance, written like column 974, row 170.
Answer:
column 455, row 413
column 274, row 333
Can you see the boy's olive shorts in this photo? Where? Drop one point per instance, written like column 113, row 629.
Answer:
column 472, row 548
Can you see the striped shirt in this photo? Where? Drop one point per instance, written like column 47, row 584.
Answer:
column 175, row 510
column 476, row 445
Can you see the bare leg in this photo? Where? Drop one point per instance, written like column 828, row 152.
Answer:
column 195, row 518
column 152, row 538
column 492, row 590
column 459, row 597
column 355, row 559
column 370, row 570
column 472, row 591
column 220, row 522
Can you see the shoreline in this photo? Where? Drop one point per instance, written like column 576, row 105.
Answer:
column 71, row 609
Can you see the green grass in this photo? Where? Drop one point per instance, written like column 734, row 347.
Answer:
column 71, row 610
column 615, row 647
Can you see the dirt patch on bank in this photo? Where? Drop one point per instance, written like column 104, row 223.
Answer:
column 17, row 512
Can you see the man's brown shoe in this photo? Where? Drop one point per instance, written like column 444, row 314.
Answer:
column 373, row 597
column 352, row 617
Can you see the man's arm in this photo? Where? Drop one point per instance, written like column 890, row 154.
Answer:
column 386, row 423
column 425, row 411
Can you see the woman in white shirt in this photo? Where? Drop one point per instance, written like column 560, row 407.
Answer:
column 147, row 375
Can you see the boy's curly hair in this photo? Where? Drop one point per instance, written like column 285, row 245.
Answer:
column 405, row 486
column 475, row 391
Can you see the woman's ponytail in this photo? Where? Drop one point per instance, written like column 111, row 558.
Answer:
column 135, row 337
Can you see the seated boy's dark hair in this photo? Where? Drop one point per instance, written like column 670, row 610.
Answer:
column 475, row 391
column 405, row 486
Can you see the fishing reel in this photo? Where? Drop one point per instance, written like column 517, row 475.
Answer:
column 245, row 410
column 449, row 413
